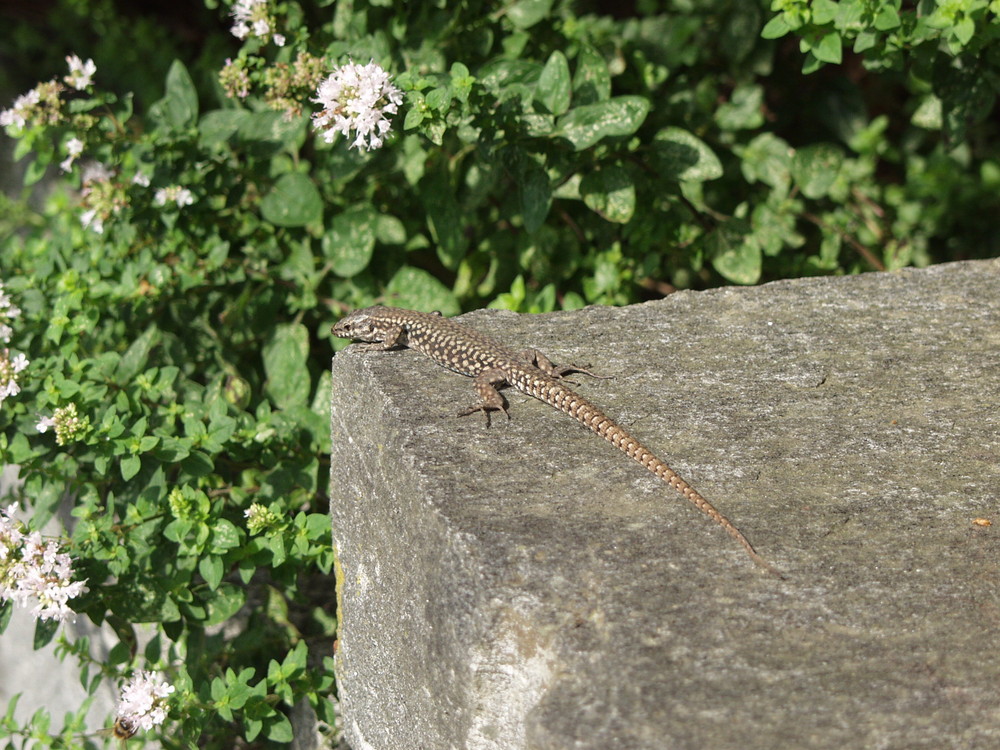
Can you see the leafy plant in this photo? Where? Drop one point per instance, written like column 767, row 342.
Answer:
column 166, row 375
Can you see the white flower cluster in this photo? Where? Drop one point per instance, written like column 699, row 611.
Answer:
column 173, row 194
column 144, row 701
column 260, row 518
column 8, row 312
column 9, row 369
column 34, row 570
column 99, row 196
column 38, row 104
column 18, row 114
column 9, row 366
column 67, row 424
column 74, row 147
column 253, row 18
column 81, row 74
column 359, row 98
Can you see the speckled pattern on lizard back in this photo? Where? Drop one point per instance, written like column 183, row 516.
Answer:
column 470, row 353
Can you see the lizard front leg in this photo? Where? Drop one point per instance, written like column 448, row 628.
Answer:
column 489, row 397
column 394, row 336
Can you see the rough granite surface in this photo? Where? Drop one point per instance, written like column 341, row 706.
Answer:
column 528, row 586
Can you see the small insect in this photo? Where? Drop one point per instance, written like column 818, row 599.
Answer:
column 982, row 522
column 123, row 729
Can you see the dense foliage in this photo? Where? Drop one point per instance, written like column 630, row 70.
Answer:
column 177, row 280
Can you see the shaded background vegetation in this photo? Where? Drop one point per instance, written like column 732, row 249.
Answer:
column 547, row 155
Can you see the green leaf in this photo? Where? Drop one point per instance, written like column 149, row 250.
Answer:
column 265, row 133
column 293, row 202
column 46, row 496
column 774, row 227
column 776, row 28
column 439, row 99
column 211, row 569
column 416, row 289
column 865, row 40
column 285, row 357
column 279, row 728
column 6, row 610
column 276, row 544
column 172, row 450
column 526, row 13
column 584, row 126
column 130, row 466
column 414, row 116
column 252, row 728
column 743, row 111
column 536, row 197
column 734, row 253
column 887, row 18
column 445, row 216
column 44, row 631
column 197, row 464
column 682, row 156
column 592, row 79
column 815, row 168
column 610, row 193
column 554, row 90
column 225, row 536
column 823, row 11
column 389, row 230
column 35, row 170
column 928, row 114
column 350, row 240
column 964, row 30
column 135, row 357
column 19, row 451
column 227, row 601
column 767, row 158
column 218, row 126
column 849, row 15
column 828, row 49
column 178, row 109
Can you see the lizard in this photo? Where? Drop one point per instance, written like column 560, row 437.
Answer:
column 471, row 353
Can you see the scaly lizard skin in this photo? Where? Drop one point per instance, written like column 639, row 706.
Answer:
column 492, row 365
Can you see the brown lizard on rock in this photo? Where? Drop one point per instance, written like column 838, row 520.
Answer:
column 492, row 365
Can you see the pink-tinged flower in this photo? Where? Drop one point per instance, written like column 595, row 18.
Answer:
column 44, row 575
column 143, row 702
column 102, row 196
column 10, row 540
column 80, row 73
column 234, row 79
column 359, row 98
column 67, row 423
column 33, row 570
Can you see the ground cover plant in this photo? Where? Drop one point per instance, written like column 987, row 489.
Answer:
column 206, row 192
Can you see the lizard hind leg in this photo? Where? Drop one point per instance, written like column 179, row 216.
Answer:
column 490, row 398
column 543, row 363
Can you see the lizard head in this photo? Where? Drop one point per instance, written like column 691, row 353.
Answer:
column 360, row 325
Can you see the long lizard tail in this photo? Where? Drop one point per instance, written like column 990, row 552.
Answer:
column 637, row 451
column 593, row 418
